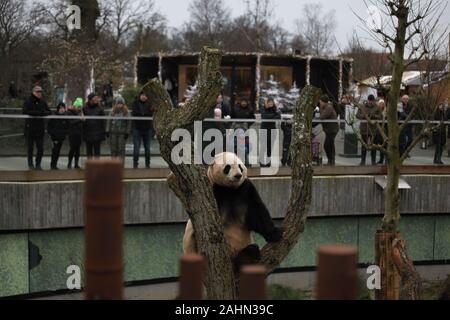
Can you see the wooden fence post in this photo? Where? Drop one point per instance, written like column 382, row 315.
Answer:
column 103, row 198
column 192, row 272
column 252, row 283
column 337, row 272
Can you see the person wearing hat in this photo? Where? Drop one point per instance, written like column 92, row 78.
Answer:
column 35, row 106
column 57, row 129
column 142, row 129
column 369, row 132
column 118, row 128
column 93, row 129
column 75, row 133
column 331, row 129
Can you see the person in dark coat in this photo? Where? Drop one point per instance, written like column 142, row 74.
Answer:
column 406, row 135
column 35, row 128
column 369, row 132
column 75, row 132
column 94, row 130
column 220, row 104
column 57, row 129
column 439, row 134
column 12, row 90
column 331, row 129
column 142, row 129
column 448, row 134
column 268, row 112
column 241, row 111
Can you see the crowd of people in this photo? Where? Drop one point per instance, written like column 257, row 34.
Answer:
column 93, row 131
column 117, row 129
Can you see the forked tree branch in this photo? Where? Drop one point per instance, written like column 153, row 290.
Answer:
column 190, row 182
column 302, row 173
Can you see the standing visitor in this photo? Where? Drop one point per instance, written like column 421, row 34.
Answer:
column 118, row 129
column 331, row 129
column 369, row 132
column 406, row 135
column 35, row 128
column 242, row 111
column 439, row 136
column 142, row 129
column 75, row 133
column 268, row 112
column 57, row 129
column 382, row 106
column 93, row 129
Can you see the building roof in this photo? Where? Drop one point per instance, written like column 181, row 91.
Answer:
column 408, row 78
column 181, row 54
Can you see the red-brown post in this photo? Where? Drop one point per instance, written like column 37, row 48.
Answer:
column 104, row 229
column 252, row 283
column 337, row 275
column 192, row 272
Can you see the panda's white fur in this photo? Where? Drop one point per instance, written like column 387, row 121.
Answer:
column 237, row 236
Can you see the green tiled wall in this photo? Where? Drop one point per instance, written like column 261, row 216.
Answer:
column 152, row 252
column 13, row 264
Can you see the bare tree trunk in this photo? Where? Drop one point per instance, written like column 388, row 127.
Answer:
column 391, row 217
column 191, row 185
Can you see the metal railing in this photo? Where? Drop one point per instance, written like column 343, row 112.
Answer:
column 13, row 146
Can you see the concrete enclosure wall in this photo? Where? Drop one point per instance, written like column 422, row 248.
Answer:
column 53, row 205
column 42, row 223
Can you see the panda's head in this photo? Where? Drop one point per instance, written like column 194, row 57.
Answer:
column 227, row 170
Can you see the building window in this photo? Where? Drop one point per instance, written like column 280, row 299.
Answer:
column 242, row 81
column 283, row 75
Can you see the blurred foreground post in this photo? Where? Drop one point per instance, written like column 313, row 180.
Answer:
column 192, row 272
column 337, row 272
column 252, row 283
column 104, row 229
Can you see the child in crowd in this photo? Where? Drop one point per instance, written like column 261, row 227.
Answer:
column 118, row 128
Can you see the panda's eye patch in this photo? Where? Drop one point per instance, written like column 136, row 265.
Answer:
column 240, row 167
column 227, row 169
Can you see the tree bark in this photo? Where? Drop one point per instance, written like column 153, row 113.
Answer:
column 391, row 195
column 189, row 181
column 191, row 185
column 410, row 282
column 302, row 172
column 390, row 277
column 390, row 254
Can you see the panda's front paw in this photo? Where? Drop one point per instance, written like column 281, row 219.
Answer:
column 275, row 236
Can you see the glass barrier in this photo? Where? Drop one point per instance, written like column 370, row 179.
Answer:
column 250, row 137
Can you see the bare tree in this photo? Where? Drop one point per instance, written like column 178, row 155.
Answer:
column 367, row 61
column 409, row 31
column 125, row 17
column 191, row 185
column 18, row 20
column 208, row 25
column 316, row 29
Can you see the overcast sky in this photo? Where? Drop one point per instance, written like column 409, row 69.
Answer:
column 287, row 11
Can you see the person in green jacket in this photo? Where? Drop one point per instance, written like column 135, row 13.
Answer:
column 331, row 129
column 118, row 129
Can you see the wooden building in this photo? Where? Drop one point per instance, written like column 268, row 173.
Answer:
column 244, row 73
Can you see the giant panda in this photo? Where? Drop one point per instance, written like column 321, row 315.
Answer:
column 241, row 209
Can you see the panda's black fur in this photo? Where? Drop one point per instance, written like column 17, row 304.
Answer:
column 241, row 209
column 243, row 205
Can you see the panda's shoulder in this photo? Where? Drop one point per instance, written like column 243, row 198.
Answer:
column 247, row 188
